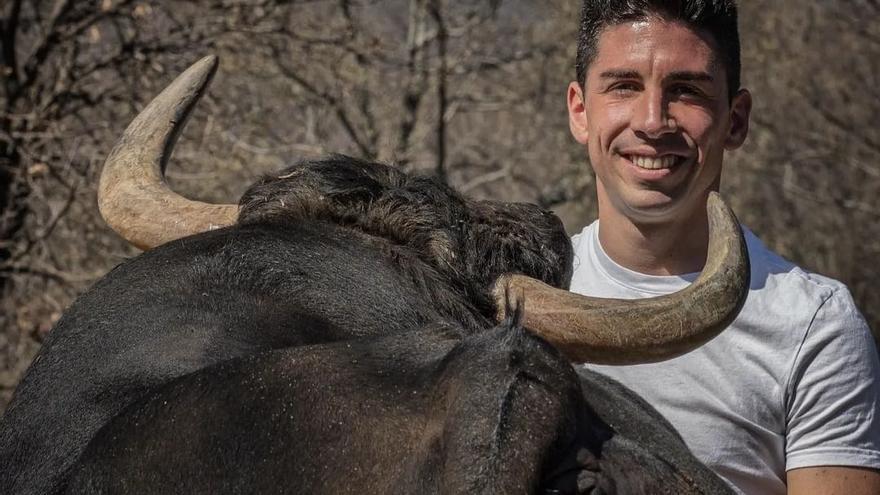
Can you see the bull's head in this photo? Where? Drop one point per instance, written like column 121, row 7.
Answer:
column 136, row 202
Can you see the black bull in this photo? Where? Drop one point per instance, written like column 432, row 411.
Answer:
column 337, row 339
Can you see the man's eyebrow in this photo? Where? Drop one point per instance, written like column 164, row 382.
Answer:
column 690, row 76
column 620, row 74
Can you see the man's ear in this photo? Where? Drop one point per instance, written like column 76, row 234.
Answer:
column 740, row 108
column 577, row 113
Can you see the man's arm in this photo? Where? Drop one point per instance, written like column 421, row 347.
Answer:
column 833, row 480
column 832, row 426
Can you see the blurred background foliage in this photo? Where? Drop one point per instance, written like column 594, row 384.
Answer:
column 470, row 90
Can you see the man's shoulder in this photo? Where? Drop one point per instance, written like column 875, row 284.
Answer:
column 782, row 291
column 772, row 271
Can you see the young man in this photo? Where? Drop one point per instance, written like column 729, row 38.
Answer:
column 787, row 399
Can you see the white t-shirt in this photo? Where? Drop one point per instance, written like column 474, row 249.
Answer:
column 793, row 382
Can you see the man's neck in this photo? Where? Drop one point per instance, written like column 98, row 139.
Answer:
column 663, row 248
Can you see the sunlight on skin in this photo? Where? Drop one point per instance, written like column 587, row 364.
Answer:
column 833, row 480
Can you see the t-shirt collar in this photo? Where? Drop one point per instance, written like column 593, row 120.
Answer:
column 650, row 284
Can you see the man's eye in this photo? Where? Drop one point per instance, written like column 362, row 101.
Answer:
column 623, row 88
column 685, row 90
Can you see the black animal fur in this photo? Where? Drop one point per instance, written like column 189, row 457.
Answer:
column 337, row 339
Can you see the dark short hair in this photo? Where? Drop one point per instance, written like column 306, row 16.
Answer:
column 715, row 17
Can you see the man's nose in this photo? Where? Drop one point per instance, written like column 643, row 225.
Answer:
column 651, row 117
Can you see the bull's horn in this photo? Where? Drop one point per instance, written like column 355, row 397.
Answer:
column 616, row 331
column 132, row 195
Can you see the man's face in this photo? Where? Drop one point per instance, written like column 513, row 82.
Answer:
column 655, row 117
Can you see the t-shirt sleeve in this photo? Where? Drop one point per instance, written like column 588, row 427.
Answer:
column 833, row 399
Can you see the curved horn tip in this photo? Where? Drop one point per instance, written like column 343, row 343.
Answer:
column 192, row 82
column 208, row 60
column 207, row 65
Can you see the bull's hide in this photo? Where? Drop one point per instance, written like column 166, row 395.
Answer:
column 204, row 365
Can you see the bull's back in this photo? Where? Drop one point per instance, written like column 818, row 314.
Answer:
column 185, row 306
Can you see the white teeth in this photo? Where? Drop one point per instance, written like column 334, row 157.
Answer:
column 652, row 163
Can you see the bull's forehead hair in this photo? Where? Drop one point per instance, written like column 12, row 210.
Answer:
column 470, row 241
column 717, row 18
column 338, row 182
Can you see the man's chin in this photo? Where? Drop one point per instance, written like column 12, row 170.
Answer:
column 654, row 208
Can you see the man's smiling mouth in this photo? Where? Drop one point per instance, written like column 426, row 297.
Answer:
column 655, row 162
